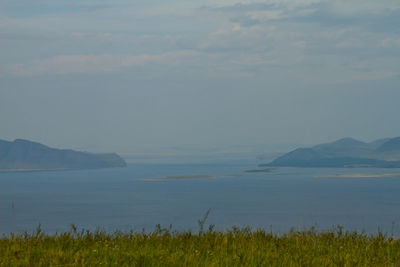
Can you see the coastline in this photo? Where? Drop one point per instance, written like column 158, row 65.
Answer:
column 32, row 170
column 362, row 175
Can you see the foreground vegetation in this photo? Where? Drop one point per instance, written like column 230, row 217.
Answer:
column 206, row 248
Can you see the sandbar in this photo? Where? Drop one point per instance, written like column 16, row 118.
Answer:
column 186, row 177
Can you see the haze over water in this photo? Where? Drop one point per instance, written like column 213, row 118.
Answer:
column 117, row 199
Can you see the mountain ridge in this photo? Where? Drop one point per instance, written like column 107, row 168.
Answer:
column 21, row 154
column 345, row 152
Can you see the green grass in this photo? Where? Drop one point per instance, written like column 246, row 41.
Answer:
column 235, row 247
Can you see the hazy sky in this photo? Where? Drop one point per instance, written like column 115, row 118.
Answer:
column 139, row 75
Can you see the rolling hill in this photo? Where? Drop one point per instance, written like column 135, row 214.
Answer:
column 346, row 152
column 24, row 155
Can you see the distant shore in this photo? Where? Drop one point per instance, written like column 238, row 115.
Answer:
column 33, row 170
column 362, row 175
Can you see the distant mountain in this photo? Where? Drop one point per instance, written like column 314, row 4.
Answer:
column 391, row 145
column 346, row 152
column 25, row 155
column 377, row 143
column 346, row 147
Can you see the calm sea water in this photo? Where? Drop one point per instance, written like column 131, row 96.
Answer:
column 117, row 199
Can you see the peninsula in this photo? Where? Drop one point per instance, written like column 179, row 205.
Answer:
column 346, row 152
column 25, row 155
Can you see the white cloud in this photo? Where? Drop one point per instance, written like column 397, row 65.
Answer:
column 97, row 63
column 265, row 15
column 355, row 7
column 288, row 3
column 373, row 75
column 123, row 36
column 391, row 42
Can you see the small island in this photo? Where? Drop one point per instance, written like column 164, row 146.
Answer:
column 262, row 170
column 24, row 155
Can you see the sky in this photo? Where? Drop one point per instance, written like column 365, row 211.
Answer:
column 139, row 75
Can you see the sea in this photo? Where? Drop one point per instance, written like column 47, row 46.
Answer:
column 121, row 199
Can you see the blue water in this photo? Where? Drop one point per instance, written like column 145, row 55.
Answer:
column 117, row 199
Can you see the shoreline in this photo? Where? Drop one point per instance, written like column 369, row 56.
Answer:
column 33, row 170
column 362, row 175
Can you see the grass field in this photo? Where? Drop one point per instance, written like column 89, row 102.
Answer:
column 235, row 247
